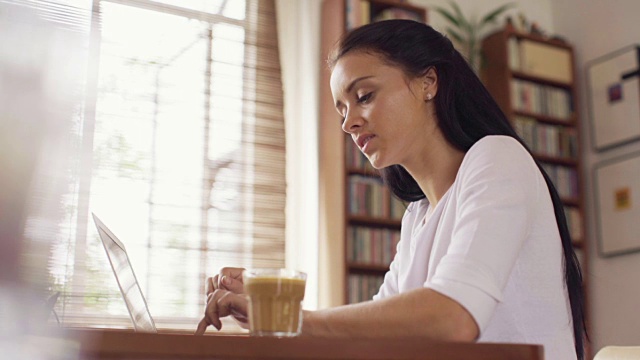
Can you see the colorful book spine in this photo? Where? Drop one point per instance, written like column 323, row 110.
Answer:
column 362, row 287
column 397, row 13
column 352, row 14
column 574, row 222
column 362, row 12
column 565, row 180
column 369, row 197
column 355, row 159
column 540, row 99
column 371, row 246
column 550, row 140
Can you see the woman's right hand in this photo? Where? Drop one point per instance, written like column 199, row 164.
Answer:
column 229, row 278
column 221, row 303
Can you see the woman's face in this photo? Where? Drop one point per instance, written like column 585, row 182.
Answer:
column 389, row 116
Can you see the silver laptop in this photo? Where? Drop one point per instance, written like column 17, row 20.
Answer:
column 123, row 271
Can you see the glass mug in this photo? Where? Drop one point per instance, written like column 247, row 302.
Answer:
column 275, row 301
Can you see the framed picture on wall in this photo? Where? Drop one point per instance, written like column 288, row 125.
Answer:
column 614, row 97
column 617, row 200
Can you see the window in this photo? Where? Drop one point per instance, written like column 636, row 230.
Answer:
column 180, row 151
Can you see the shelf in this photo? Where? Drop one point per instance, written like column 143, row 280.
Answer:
column 538, row 38
column 385, row 4
column 540, row 80
column 373, row 222
column 571, row 202
column 547, row 119
column 370, row 268
column 577, row 243
column 556, row 160
column 363, row 172
column 378, row 6
column 336, row 17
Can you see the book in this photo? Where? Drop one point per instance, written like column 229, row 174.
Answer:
column 362, row 287
column 397, row 13
column 371, row 246
column 545, row 61
column 540, row 99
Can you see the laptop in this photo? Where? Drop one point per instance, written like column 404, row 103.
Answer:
column 126, row 278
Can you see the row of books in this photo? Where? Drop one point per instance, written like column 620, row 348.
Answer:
column 357, row 13
column 574, row 222
column 541, row 99
column 546, row 61
column 544, row 139
column 397, row 13
column 372, row 246
column 565, row 180
column 362, row 287
column 355, row 159
column 369, row 197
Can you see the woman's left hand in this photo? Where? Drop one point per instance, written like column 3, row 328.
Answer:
column 221, row 303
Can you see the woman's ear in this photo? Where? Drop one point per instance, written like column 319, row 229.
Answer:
column 429, row 84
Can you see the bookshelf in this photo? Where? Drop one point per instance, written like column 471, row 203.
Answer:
column 533, row 81
column 361, row 12
column 373, row 215
column 361, row 218
column 372, row 229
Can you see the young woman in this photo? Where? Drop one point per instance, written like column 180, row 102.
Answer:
column 485, row 253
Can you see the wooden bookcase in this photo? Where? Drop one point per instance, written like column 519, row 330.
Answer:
column 343, row 168
column 373, row 215
column 367, row 216
column 372, row 226
column 542, row 108
column 533, row 81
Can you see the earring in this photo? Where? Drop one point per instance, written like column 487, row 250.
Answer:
column 428, row 97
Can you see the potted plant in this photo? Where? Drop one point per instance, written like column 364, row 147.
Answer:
column 467, row 32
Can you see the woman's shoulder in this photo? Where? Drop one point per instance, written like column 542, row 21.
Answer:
column 497, row 143
column 500, row 148
column 499, row 155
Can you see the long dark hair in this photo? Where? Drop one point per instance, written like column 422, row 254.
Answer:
column 466, row 113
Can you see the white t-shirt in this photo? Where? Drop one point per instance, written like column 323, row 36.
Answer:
column 491, row 244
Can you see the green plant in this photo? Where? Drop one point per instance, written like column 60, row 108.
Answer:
column 466, row 32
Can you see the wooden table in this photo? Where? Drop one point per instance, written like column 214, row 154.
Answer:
column 123, row 344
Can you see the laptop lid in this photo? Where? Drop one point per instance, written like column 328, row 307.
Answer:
column 126, row 278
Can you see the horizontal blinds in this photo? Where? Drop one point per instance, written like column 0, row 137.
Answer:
column 184, row 157
column 64, row 14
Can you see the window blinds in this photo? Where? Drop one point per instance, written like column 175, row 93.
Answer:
column 179, row 149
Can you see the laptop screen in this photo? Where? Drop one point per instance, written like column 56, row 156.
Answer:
column 129, row 287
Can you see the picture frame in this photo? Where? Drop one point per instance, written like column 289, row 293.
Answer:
column 614, row 98
column 617, row 202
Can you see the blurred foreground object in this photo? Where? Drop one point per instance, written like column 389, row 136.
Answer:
column 42, row 65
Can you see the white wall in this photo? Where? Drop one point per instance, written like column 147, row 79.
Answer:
column 595, row 28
